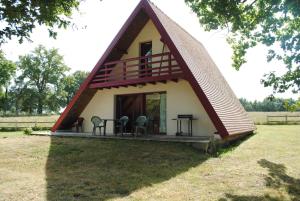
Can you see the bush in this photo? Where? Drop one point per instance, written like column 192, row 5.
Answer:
column 27, row 131
column 36, row 128
column 40, row 128
column 10, row 129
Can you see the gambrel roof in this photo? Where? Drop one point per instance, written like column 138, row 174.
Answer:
column 216, row 96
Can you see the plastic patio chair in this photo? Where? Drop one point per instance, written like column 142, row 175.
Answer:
column 121, row 124
column 78, row 124
column 98, row 123
column 141, row 124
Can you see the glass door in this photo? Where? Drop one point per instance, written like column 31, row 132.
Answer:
column 156, row 112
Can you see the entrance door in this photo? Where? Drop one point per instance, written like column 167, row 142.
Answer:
column 131, row 106
column 152, row 105
column 145, row 50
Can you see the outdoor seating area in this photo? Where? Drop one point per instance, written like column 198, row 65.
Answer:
column 139, row 126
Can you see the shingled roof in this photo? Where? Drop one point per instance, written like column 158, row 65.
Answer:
column 216, row 96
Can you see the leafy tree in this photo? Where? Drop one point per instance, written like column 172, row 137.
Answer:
column 19, row 18
column 250, row 22
column 270, row 105
column 291, row 105
column 7, row 70
column 41, row 72
column 247, row 105
column 71, row 84
column 22, row 98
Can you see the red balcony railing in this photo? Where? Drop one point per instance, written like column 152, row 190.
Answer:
column 137, row 70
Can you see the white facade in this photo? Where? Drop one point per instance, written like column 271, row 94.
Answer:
column 181, row 99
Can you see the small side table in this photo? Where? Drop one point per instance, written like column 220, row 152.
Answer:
column 190, row 125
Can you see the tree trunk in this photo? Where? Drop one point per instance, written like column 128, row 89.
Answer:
column 17, row 107
column 40, row 105
column 5, row 101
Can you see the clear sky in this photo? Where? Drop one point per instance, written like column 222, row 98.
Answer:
column 99, row 21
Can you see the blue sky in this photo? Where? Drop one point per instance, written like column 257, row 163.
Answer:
column 99, row 21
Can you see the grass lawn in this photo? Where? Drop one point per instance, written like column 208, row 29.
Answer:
column 266, row 166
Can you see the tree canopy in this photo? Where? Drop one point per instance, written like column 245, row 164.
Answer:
column 39, row 82
column 41, row 71
column 19, row 18
column 274, row 23
column 270, row 105
column 7, row 69
column 71, row 84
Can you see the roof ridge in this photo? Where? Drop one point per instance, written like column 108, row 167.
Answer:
column 175, row 23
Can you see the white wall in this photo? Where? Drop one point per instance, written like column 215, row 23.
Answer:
column 181, row 99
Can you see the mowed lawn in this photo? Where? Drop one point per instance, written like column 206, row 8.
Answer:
column 266, row 166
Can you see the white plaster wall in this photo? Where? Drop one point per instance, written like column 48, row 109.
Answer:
column 181, row 99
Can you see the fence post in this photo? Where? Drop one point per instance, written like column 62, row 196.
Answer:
column 267, row 119
column 16, row 125
column 286, row 119
column 35, row 124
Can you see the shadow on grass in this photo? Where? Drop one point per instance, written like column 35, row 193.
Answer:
column 277, row 179
column 86, row 169
column 231, row 146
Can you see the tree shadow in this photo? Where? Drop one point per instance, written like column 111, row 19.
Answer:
column 87, row 169
column 276, row 179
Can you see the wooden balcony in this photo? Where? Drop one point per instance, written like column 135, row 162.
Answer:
column 139, row 70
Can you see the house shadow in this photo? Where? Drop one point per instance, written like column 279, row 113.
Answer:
column 276, row 179
column 89, row 169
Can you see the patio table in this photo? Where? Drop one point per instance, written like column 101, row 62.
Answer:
column 105, row 122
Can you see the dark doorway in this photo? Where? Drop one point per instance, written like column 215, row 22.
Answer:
column 131, row 106
column 145, row 63
column 152, row 105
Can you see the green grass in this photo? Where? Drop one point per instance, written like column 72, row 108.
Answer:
column 11, row 134
column 263, row 167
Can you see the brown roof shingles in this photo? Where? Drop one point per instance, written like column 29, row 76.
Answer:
column 220, row 95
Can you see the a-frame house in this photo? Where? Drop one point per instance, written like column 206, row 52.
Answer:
column 155, row 68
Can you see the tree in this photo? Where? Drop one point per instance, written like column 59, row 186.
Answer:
column 19, row 18
column 22, row 97
column 271, row 105
column 250, row 22
column 7, row 70
column 291, row 105
column 71, row 84
column 41, row 71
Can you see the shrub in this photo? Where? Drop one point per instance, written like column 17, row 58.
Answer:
column 36, row 128
column 10, row 129
column 40, row 128
column 27, row 131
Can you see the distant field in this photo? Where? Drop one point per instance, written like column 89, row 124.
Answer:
column 41, row 121
column 257, row 117
column 261, row 117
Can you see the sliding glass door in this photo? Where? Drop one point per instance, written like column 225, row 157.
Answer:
column 156, row 112
column 152, row 105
